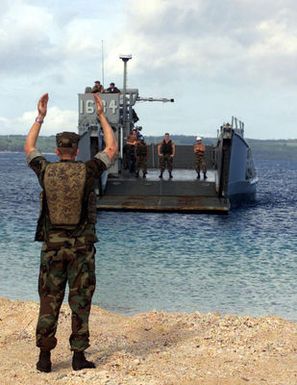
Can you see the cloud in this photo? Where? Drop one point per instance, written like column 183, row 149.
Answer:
column 39, row 39
column 225, row 56
column 226, row 41
column 57, row 120
column 24, row 41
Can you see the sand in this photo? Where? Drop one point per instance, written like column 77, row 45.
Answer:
column 154, row 348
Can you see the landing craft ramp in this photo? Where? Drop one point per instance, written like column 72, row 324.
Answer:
column 184, row 193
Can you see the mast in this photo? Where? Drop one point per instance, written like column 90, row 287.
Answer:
column 102, row 62
column 125, row 59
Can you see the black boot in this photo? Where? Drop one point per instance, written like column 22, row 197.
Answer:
column 198, row 175
column 170, row 175
column 144, row 175
column 44, row 363
column 161, row 175
column 79, row 362
column 137, row 174
column 204, row 175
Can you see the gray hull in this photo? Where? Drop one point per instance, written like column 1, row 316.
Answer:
column 236, row 173
column 242, row 181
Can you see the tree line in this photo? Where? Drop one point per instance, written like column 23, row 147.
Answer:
column 266, row 149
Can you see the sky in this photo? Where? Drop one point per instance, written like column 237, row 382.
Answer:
column 216, row 58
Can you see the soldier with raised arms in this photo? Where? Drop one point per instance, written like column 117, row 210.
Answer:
column 66, row 227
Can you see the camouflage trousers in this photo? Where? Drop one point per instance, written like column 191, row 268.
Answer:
column 200, row 164
column 74, row 262
column 141, row 164
column 166, row 161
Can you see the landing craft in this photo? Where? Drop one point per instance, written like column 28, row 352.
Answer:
column 231, row 171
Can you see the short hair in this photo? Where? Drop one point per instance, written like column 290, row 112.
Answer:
column 67, row 139
column 112, row 84
column 166, row 133
column 70, row 151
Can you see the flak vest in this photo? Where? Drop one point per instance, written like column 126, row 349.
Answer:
column 166, row 148
column 66, row 203
column 199, row 149
column 64, row 185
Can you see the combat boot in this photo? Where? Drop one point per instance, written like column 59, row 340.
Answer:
column 161, row 175
column 170, row 175
column 144, row 175
column 204, row 176
column 198, row 175
column 44, row 363
column 137, row 174
column 79, row 362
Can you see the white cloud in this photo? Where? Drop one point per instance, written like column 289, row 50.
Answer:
column 225, row 56
column 221, row 40
column 57, row 120
column 24, row 40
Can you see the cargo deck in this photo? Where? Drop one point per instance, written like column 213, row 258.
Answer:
column 183, row 193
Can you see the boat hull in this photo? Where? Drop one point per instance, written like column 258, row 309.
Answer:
column 242, row 179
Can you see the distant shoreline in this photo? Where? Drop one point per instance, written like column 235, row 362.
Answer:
column 262, row 148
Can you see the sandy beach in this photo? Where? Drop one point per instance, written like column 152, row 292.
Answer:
column 154, row 348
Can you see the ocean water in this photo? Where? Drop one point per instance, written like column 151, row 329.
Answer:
column 242, row 263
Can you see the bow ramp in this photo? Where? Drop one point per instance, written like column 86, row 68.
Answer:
column 183, row 193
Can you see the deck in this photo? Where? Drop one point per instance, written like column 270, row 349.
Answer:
column 183, row 193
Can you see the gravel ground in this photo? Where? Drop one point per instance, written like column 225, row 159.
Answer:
column 155, row 348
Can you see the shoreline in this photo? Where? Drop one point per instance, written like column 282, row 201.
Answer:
column 153, row 348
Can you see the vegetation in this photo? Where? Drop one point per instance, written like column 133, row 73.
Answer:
column 16, row 143
column 264, row 149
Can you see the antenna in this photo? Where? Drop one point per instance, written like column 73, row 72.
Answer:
column 125, row 59
column 102, row 62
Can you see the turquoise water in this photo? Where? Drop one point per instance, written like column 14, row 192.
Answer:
column 243, row 263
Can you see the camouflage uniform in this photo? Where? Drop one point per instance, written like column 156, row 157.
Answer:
column 131, row 157
column 141, row 157
column 200, row 163
column 67, row 255
column 166, row 160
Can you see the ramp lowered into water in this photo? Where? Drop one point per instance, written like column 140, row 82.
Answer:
column 183, row 193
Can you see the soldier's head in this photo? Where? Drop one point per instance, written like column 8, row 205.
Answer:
column 67, row 145
column 198, row 139
column 166, row 137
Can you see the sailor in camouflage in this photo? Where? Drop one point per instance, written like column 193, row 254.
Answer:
column 141, row 157
column 66, row 226
column 199, row 151
column 166, row 153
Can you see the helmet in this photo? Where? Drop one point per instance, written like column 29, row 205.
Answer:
column 198, row 138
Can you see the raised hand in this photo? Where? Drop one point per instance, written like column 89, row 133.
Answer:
column 42, row 105
column 99, row 104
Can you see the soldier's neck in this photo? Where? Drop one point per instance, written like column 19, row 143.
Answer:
column 65, row 157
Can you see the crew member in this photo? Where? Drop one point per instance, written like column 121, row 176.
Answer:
column 199, row 151
column 166, row 153
column 130, row 150
column 98, row 87
column 112, row 89
column 141, row 157
column 66, row 227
